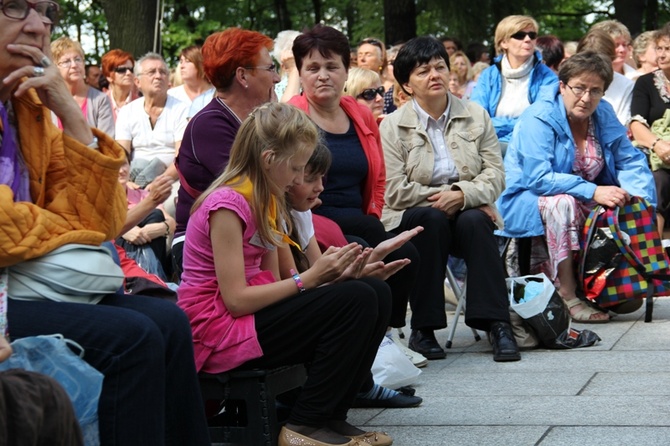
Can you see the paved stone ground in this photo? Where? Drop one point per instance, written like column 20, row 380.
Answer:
column 614, row 393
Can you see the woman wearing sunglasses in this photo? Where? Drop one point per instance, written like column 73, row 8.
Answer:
column 366, row 87
column 515, row 79
column 117, row 67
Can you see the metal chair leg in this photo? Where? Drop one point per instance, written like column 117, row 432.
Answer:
column 460, row 295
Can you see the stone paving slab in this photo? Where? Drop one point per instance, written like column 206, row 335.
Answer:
column 615, row 393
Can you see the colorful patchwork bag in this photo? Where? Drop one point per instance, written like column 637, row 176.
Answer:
column 622, row 257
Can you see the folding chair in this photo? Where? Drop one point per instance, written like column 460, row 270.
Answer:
column 460, row 296
column 524, row 248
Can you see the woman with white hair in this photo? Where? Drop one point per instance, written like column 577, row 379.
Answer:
column 289, row 85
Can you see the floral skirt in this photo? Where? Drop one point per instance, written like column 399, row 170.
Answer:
column 563, row 217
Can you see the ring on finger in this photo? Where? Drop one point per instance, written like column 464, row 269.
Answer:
column 38, row 71
column 45, row 61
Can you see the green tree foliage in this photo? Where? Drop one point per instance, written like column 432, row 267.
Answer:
column 130, row 24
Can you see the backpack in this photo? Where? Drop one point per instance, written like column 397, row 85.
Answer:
column 622, row 257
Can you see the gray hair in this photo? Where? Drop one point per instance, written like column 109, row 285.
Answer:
column 148, row 56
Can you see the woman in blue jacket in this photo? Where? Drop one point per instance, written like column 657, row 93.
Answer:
column 516, row 78
column 569, row 153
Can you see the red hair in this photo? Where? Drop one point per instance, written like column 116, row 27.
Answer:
column 225, row 51
column 113, row 59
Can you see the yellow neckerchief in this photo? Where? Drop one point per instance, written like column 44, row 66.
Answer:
column 245, row 188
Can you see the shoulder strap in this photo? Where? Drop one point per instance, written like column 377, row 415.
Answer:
column 194, row 193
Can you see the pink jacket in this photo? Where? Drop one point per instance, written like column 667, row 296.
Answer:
column 368, row 133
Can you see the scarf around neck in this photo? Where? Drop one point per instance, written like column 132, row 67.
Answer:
column 245, row 188
column 13, row 172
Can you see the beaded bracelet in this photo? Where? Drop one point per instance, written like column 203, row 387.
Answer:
column 654, row 144
column 297, row 280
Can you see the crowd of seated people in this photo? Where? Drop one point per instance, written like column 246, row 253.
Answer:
column 205, row 174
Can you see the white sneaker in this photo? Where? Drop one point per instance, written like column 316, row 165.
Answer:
column 417, row 358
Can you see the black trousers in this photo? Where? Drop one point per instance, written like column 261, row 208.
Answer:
column 337, row 330
column 662, row 180
column 469, row 236
column 370, row 229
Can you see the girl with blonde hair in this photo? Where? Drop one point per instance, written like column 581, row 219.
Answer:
column 244, row 313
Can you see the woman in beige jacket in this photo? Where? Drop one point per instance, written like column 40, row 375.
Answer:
column 444, row 172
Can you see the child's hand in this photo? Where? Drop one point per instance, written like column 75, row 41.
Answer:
column 357, row 267
column 383, row 271
column 332, row 264
column 388, row 246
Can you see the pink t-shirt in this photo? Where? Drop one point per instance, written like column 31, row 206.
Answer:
column 221, row 341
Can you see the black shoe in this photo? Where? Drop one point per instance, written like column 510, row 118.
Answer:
column 400, row 401
column 503, row 342
column 424, row 342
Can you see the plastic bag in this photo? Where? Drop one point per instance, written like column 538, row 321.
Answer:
column 51, row 355
column 572, row 338
column 145, row 258
column 392, row 368
column 544, row 311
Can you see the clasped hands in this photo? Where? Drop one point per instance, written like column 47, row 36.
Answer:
column 452, row 201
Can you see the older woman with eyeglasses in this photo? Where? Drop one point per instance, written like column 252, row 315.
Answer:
column 568, row 154
column 239, row 65
column 61, row 187
column 117, row 67
column 366, row 87
column 95, row 106
column 517, row 76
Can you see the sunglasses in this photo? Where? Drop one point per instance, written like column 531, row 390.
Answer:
column 374, row 42
column 369, row 94
column 521, row 35
column 123, row 70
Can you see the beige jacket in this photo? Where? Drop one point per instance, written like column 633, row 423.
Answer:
column 408, row 153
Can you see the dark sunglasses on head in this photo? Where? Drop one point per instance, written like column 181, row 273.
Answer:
column 123, row 70
column 370, row 94
column 374, row 42
column 521, row 35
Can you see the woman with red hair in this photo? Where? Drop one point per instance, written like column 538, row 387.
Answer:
column 238, row 64
column 117, row 67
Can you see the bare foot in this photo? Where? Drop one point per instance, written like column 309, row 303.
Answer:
column 581, row 312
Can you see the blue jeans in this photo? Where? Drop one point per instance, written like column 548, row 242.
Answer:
column 143, row 346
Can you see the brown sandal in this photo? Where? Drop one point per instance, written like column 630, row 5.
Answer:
column 584, row 315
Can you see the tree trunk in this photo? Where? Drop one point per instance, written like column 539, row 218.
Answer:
column 132, row 25
column 283, row 16
column 630, row 13
column 317, row 11
column 399, row 20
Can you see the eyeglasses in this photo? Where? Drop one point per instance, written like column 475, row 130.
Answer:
column 272, row 68
column 521, row 35
column 155, row 71
column 369, row 94
column 69, row 62
column 595, row 93
column 19, row 10
column 123, row 70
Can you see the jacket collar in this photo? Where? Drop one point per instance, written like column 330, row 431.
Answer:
column 409, row 118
